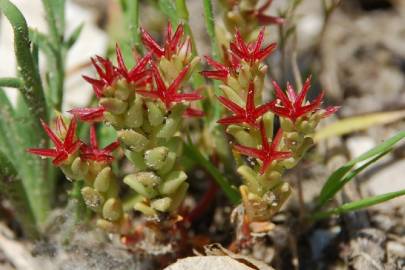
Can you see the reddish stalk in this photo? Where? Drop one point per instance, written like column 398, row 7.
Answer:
column 204, row 203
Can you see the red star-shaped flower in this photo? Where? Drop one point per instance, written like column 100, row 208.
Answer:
column 139, row 74
column 64, row 147
column 250, row 114
column 251, row 52
column 89, row 114
column 291, row 104
column 268, row 153
column 169, row 95
column 264, row 19
column 172, row 45
column 108, row 73
column 222, row 71
column 92, row 152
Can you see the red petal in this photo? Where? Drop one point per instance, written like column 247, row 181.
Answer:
column 149, row 94
column 236, row 51
column 280, row 111
column 151, row 44
column 174, row 42
column 74, row 147
column 277, row 139
column 292, row 95
column 214, row 63
column 235, row 108
column 89, row 114
column 265, row 52
column 60, row 158
column 259, row 41
column 70, row 135
column 99, row 70
column 98, row 85
column 281, row 95
column 304, row 91
column 179, row 79
column 186, row 97
column 262, row 109
column 250, row 100
column 232, row 120
column 111, row 147
column 43, row 152
column 248, row 151
column 240, row 43
column 215, row 74
column 140, row 65
column 330, row 110
column 160, row 85
column 55, row 139
column 263, row 136
column 312, row 106
column 120, row 59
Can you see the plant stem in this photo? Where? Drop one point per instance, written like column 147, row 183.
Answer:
column 56, row 29
column 133, row 23
column 210, row 24
column 11, row 82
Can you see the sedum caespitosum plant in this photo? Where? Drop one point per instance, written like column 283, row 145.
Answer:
column 145, row 105
column 251, row 124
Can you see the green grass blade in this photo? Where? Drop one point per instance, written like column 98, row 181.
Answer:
column 379, row 148
column 32, row 90
column 230, row 191
column 71, row 40
column 210, row 24
column 55, row 16
column 31, row 170
column 358, row 205
column 335, row 186
column 357, row 123
column 335, row 180
column 12, row 188
column 169, row 9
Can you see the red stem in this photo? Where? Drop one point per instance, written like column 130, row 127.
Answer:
column 204, row 203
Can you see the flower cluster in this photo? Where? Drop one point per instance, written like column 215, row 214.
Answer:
column 145, row 104
column 87, row 162
column 246, row 16
column 242, row 74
